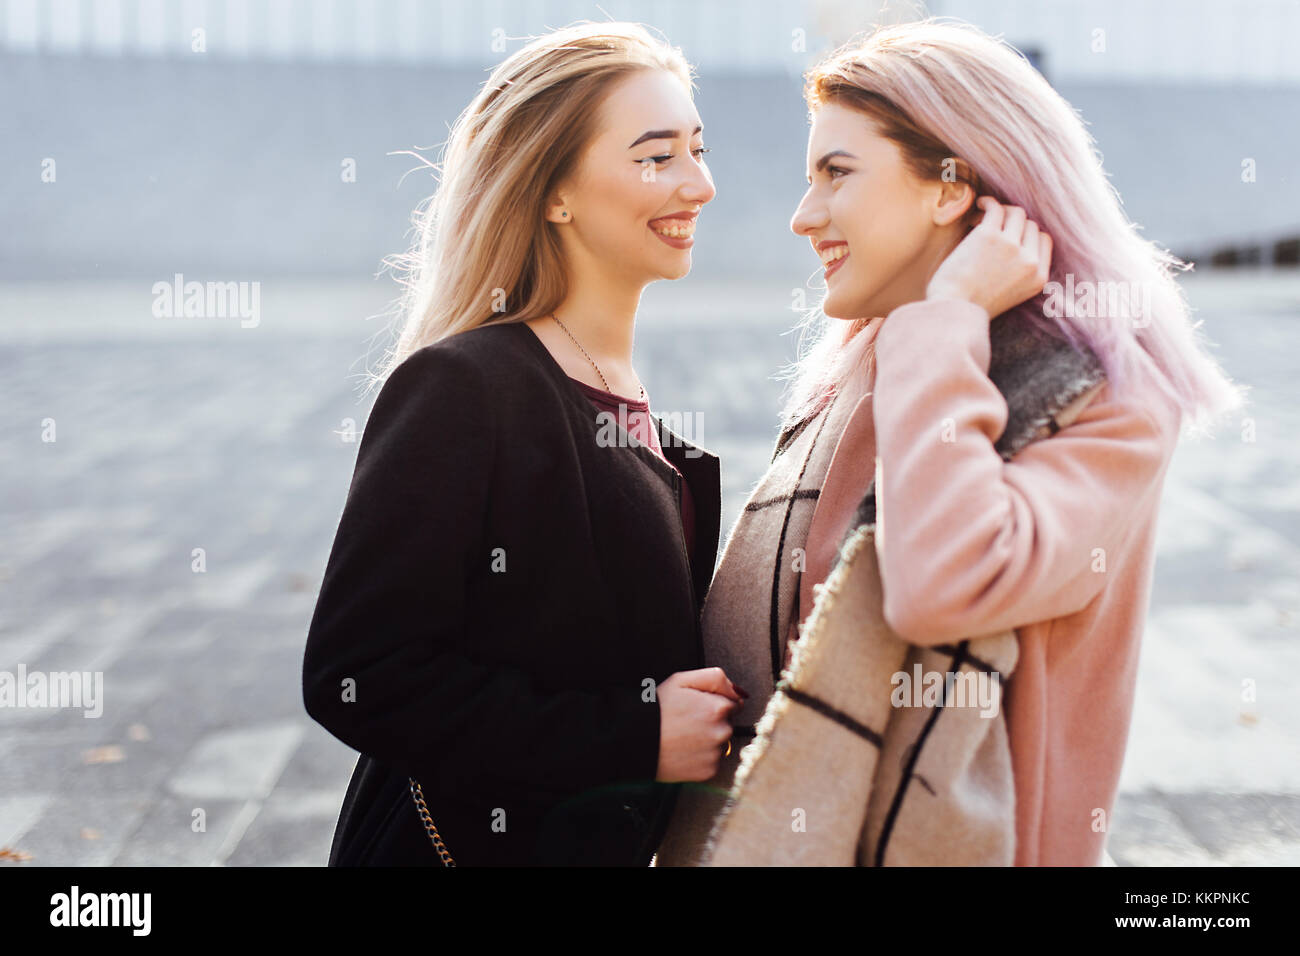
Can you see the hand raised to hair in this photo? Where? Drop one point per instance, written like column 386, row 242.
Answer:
column 1004, row 261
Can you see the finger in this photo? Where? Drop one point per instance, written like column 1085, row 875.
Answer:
column 711, row 679
column 724, row 710
column 735, row 693
column 1044, row 255
column 1014, row 223
column 1029, row 250
column 1029, row 241
column 993, row 213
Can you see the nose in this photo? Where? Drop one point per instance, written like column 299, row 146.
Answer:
column 809, row 217
column 698, row 188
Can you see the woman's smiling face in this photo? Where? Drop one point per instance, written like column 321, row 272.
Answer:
column 640, row 183
column 870, row 220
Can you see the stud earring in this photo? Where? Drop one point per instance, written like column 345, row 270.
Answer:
column 564, row 215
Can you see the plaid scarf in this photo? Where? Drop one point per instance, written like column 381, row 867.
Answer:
column 839, row 770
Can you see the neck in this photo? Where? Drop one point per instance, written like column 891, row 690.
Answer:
column 912, row 280
column 601, row 314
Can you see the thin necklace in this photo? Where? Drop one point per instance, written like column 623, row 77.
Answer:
column 590, row 359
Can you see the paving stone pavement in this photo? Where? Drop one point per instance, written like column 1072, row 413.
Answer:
column 181, row 434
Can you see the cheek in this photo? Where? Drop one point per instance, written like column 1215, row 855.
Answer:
column 878, row 221
column 861, row 218
column 621, row 202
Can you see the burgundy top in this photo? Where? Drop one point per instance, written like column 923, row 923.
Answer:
column 635, row 419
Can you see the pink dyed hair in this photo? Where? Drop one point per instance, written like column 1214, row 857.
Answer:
column 938, row 89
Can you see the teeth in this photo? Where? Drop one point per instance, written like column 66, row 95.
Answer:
column 834, row 253
column 678, row 229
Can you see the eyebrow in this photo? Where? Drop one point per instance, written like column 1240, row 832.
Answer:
column 661, row 134
column 821, row 163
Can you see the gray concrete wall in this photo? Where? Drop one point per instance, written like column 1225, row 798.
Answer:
column 232, row 168
column 166, row 166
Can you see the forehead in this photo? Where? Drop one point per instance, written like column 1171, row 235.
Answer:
column 836, row 127
column 645, row 100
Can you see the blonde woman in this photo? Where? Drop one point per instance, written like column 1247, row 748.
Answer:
column 508, row 625
column 948, row 563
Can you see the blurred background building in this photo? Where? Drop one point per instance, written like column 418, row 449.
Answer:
column 210, row 134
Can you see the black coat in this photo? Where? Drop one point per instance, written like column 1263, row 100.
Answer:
column 504, row 589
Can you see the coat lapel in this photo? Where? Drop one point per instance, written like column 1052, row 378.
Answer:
column 701, row 470
column 852, row 466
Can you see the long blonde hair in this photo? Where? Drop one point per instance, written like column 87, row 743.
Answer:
column 941, row 89
column 484, row 252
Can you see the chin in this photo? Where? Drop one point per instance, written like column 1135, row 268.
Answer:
column 677, row 272
column 838, row 305
column 848, row 300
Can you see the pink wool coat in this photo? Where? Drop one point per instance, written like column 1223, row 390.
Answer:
column 1053, row 549
column 1058, row 543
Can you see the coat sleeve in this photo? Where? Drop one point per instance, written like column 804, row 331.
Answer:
column 969, row 544
column 383, row 669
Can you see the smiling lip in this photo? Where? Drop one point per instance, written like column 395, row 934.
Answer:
column 683, row 223
column 833, row 266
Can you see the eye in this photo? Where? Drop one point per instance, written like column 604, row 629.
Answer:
column 832, row 170
column 660, row 160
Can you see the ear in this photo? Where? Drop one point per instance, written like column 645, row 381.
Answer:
column 558, row 211
column 951, row 201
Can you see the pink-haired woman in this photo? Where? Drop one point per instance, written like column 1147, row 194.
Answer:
column 937, row 592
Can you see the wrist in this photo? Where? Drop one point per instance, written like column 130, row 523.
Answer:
column 950, row 291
